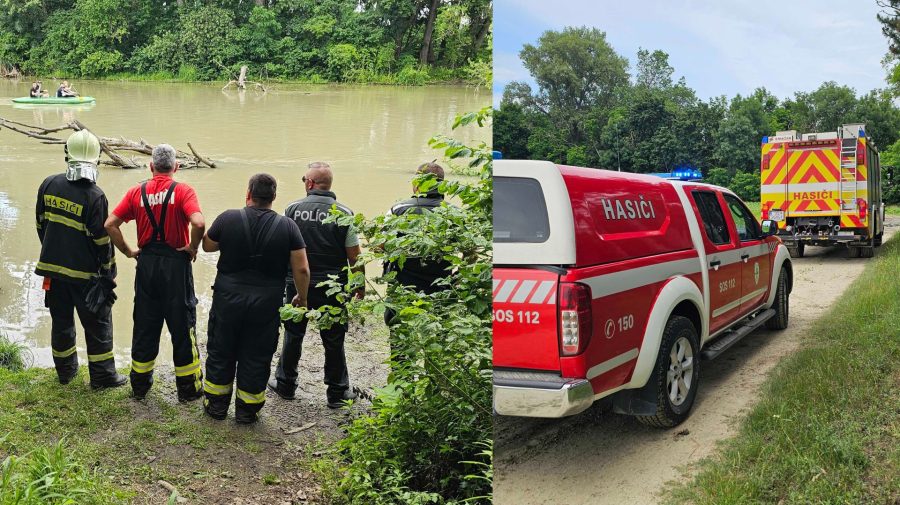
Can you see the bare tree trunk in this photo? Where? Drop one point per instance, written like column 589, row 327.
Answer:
column 429, row 32
column 242, row 79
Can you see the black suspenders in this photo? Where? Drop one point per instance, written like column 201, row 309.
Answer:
column 159, row 230
column 257, row 246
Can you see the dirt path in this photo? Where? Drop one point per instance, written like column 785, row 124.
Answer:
column 599, row 458
column 265, row 463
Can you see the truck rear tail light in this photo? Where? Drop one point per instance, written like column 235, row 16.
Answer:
column 863, row 208
column 575, row 319
column 765, row 211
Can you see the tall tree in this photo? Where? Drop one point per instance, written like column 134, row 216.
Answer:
column 890, row 23
column 425, row 52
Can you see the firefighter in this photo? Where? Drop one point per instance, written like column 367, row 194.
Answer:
column 417, row 274
column 258, row 247
column 164, row 282
column 75, row 254
column 330, row 248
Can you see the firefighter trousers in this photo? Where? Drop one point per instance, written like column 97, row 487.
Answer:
column 336, row 376
column 243, row 336
column 64, row 299
column 164, row 292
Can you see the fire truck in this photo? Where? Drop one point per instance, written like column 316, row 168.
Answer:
column 823, row 189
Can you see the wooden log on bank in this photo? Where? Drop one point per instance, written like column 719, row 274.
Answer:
column 109, row 146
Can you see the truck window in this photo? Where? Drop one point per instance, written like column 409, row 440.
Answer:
column 520, row 212
column 747, row 227
column 712, row 217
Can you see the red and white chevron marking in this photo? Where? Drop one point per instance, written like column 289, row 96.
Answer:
column 524, row 291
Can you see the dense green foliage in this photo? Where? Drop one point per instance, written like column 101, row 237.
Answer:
column 588, row 110
column 392, row 41
column 825, row 428
column 428, row 438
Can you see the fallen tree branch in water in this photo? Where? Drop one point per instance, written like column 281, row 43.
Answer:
column 241, row 81
column 108, row 145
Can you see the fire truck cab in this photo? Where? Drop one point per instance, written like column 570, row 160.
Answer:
column 613, row 285
column 823, row 189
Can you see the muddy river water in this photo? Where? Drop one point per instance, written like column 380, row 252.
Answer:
column 373, row 137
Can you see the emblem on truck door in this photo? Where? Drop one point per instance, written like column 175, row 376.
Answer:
column 610, row 328
column 756, row 273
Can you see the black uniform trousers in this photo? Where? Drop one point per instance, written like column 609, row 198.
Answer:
column 336, row 377
column 243, row 336
column 164, row 292
column 64, row 299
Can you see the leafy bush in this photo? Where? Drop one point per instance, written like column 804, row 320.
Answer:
column 718, row 177
column 342, row 60
column 428, row 437
column 746, row 185
column 412, row 76
column 101, row 63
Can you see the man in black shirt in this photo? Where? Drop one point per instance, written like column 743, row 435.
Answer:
column 331, row 248
column 257, row 246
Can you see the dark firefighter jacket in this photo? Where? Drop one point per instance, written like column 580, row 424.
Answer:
column 74, row 244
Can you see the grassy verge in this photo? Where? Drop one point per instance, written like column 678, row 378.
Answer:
column 827, row 428
column 116, row 450
column 892, row 210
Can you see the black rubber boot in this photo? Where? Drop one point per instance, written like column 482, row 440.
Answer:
column 243, row 416
column 216, row 408
column 338, row 400
column 115, row 381
column 141, row 384
column 281, row 390
column 68, row 376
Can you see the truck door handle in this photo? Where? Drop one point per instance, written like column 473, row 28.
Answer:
column 715, row 264
column 745, row 257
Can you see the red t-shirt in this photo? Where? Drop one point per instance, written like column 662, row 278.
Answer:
column 182, row 204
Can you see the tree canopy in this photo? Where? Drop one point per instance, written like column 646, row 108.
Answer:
column 589, row 110
column 334, row 40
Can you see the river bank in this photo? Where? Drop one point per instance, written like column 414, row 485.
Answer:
column 124, row 451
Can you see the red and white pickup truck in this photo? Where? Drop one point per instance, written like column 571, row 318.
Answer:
column 616, row 285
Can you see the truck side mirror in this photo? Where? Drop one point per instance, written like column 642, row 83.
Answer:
column 769, row 227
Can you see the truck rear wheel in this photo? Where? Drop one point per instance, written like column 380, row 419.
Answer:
column 780, row 320
column 676, row 374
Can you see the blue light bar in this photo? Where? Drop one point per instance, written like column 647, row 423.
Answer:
column 497, row 155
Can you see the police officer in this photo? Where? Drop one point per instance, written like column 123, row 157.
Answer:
column 257, row 247
column 163, row 282
column 330, row 249
column 76, row 252
column 416, row 273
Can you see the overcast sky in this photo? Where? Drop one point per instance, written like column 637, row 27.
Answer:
column 719, row 46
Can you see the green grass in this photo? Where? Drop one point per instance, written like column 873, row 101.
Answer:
column 892, row 210
column 826, row 429
column 13, row 355
column 122, row 442
column 754, row 207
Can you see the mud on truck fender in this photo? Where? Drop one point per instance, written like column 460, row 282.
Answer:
column 782, row 259
column 679, row 297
